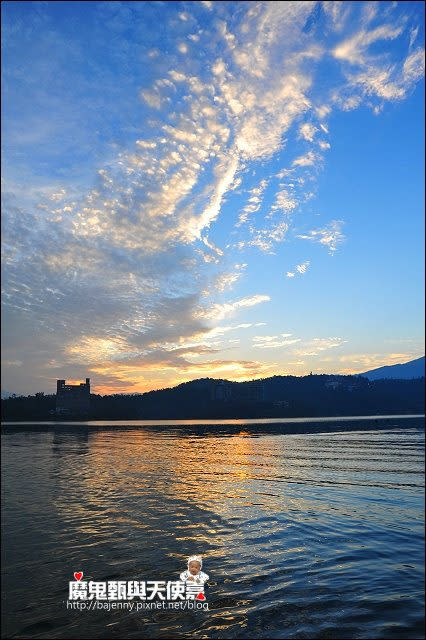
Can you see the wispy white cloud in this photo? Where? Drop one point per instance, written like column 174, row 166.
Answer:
column 284, row 201
column 413, row 36
column 146, row 144
column 273, row 342
column 226, row 280
column 300, row 269
column 330, row 236
column 307, row 131
column 221, row 310
column 355, row 48
column 226, row 173
column 253, row 203
column 317, row 345
column 390, row 83
column 324, row 145
column 303, row 267
column 338, row 11
column 308, row 159
column 377, row 76
column 152, row 99
column 266, row 239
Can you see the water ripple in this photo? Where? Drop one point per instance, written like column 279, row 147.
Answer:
column 304, row 535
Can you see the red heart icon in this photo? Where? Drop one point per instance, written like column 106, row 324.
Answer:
column 200, row 596
column 78, row 575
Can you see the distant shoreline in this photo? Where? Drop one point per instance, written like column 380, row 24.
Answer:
column 278, row 398
column 231, row 422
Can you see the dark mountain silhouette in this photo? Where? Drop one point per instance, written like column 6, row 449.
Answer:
column 406, row 371
column 276, row 397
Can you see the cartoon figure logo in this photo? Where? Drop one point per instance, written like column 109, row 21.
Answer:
column 194, row 578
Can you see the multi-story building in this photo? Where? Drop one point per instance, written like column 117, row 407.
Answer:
column 73, row 399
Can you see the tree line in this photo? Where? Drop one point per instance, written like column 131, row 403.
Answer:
column 276, row 397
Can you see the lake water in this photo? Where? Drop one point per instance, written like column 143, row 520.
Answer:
column 308, row 529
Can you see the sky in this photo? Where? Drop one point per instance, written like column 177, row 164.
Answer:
column 210, row 189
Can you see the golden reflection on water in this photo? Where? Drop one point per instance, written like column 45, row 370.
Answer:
column 227, row 476
column 275, row 516
column 208, row 482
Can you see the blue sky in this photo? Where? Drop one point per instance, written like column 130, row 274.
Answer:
column 224, row 189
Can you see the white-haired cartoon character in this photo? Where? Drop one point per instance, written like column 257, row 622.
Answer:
column 193, row 577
